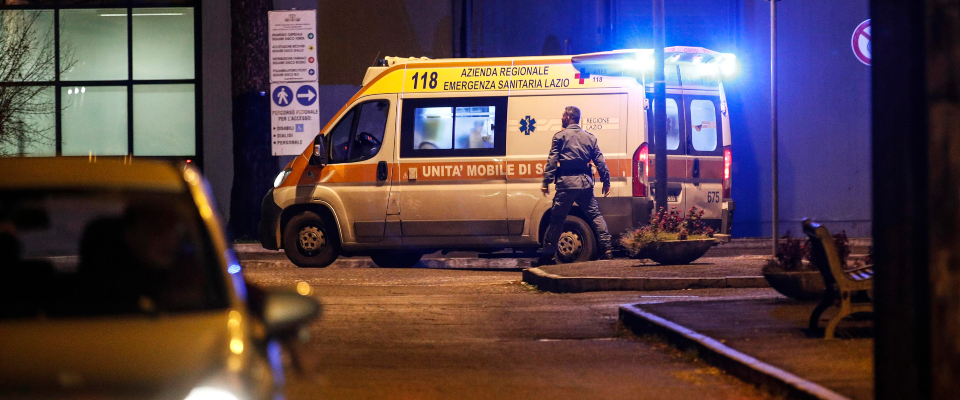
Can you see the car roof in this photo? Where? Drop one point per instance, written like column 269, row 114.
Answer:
column 90, row 173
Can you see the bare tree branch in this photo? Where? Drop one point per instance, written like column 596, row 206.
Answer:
column 27, row 57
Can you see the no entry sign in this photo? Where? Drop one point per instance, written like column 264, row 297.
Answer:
column 860, row 42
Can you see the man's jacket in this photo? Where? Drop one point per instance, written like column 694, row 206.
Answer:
column 569, row 163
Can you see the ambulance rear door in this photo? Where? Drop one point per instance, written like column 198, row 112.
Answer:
column 704, row 149
column 677, row 163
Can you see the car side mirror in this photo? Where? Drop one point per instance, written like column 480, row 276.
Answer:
column 285, row 312
column 319, row 156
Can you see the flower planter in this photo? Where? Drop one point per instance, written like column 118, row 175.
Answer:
column 675, row 252
column 800, row 285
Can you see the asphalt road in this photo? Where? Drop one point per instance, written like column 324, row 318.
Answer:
column 474, row 334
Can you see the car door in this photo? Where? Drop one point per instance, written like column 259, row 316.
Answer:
column 676, row 149
column 360, row 158
column 452, row 171
column 704, row 149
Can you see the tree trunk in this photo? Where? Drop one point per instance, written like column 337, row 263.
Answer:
column 253, row 166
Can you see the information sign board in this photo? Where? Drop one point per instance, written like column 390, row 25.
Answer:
column 293, row 45
column 294, row 117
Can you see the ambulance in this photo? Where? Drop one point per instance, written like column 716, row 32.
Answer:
column 448, row 155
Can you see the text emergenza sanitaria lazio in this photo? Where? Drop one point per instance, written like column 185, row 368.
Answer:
column 503, row 78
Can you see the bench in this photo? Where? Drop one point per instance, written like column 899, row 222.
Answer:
column 842, row 284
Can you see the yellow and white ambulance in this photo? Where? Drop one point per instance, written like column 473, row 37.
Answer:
column 449, row 154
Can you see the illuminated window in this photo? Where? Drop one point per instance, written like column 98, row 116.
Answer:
column 126, row 83
column 703, row 125
column 453, row 127
column 94, row 121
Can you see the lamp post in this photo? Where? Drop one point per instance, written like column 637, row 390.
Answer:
column 659, row 108
column 773, row 121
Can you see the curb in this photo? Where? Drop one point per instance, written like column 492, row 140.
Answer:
column 446, row 263
column 560, row 284
column 772, row 379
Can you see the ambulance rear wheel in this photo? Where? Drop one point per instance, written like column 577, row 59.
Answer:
column 396, row 259
column 577, row 242
column 309, row 242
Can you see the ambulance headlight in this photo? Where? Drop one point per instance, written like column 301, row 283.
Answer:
column 283, row 175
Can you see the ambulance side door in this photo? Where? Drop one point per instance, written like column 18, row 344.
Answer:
column 452, row 171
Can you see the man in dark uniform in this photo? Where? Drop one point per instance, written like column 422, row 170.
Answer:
column 569, row 166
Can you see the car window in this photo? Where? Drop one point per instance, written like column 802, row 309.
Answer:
column 359, row 134
column 82, row 253
column 340, row 139
column 703, row 124
column 453, row 127
column 370, row 127
column 673, row 123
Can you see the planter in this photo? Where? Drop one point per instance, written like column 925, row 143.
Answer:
column 675, row 252
column 800, row 285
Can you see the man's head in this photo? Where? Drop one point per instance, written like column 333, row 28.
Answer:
column 571, row 115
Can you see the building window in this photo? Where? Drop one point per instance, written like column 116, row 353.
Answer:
column 108, row 81
column 94, row 120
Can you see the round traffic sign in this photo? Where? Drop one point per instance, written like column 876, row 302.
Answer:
column 306, row 95
column 282, row 96
column 860, row 42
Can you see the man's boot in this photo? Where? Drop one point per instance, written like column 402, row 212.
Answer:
column 607, row 255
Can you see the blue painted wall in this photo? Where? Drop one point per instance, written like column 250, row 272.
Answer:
column 824, row 118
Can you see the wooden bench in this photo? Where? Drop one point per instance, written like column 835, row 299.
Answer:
column 841, row 283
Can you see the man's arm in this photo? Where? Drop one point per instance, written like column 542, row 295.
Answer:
column 550, row 170
column 601, row 168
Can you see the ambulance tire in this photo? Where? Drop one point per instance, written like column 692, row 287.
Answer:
column 396, row 259
column 577, row 242
column 309, row 242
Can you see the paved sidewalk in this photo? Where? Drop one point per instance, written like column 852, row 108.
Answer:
column 627, row 274
column 775, row 350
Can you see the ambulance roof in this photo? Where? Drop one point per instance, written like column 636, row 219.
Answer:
column 640, row 60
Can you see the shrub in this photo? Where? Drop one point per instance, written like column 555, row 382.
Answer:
column 665, row 226
column 791, row 252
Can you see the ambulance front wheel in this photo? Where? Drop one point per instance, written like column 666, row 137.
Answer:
column 309, row 241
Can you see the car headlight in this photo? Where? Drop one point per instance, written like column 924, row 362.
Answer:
column 280, row 177
column 210, row 393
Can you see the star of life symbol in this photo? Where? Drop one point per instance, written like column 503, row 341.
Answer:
column 528, row 125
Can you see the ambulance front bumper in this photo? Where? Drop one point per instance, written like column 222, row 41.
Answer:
column 269, row 222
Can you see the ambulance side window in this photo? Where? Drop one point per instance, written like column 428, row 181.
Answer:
column 359, row 133
column 453, row 127
column 370, row 126
column 340, row 138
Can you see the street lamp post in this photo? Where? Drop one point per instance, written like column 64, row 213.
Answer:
column 773, row 121
column 659, row 108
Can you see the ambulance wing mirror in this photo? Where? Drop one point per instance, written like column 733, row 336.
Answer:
column 319, row 156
